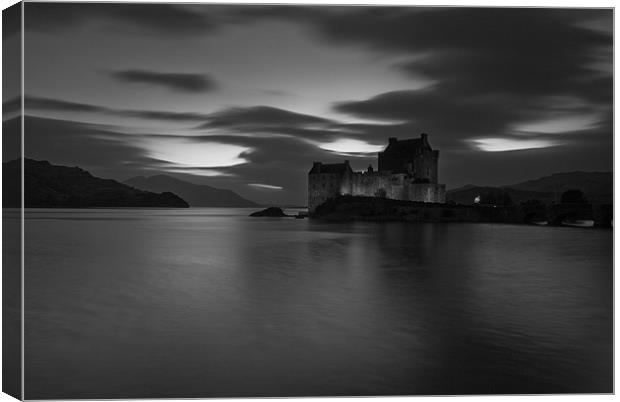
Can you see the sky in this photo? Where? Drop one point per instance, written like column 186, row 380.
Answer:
column 246, row 97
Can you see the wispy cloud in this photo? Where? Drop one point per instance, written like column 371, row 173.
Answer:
column 351, row 146
column 265, row 116
column 183, row 82
column 32, row 103
column 167, row 19
column 265, row 186
column 512, row 144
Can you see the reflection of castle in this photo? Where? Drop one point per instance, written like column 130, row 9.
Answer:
column 407, row 171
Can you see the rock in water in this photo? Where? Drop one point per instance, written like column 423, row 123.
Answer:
column 271, row 211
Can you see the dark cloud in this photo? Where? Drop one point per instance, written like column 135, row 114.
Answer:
column 453, row 121
column 248, row 121
column 160, row 115
column 431, row 111
column 493, row 69
column 193, row 83
column 477, row 57
column 160, row 18
column 266, row 120
column 71, row 143
column 474, row 50
column 261, row 116
column 40, row 103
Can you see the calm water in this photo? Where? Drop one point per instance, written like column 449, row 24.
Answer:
column 209, row 302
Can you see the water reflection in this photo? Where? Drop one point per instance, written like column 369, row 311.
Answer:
column 208, row 302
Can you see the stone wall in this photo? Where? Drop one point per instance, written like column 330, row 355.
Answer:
column 321, row 187
column 422, row 165
column 392, row 186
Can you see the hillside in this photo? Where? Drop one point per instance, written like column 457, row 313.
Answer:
column 196, row 195
column 597, row 186
column 50, row 186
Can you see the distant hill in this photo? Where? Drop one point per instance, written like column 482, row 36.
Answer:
column 597, row 186
column 50, row 186
column 195, row 194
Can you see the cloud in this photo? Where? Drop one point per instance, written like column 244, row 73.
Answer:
column 489, row 74
column 479, row 50
column 262, row 116
column 257, row 121
column 89, row 146
column 183, row 82
column 511, row 144
column 351, row 146
column 32, row 103
column 184, row 152
column 265, row 186
column 165, row 19
column 453, row 121
column 434, row 112
column 561, row 124
column 59, row 105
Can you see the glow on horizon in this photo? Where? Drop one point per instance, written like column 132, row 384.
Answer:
column 510, row 144
column 561, row 124
column 188, row 154
column 200, row 172
column 347, row 145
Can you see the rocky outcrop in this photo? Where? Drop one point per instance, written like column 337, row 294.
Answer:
column 274, row 212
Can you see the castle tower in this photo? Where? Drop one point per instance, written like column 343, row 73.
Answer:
column 414, row 157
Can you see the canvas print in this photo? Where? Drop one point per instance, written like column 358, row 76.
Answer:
column 250, row 200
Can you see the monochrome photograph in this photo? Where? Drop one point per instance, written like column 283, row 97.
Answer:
column 212, row 200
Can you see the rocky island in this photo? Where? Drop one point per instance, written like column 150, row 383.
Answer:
column 274, row 212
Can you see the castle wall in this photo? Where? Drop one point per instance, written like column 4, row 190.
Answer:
column 427, row 192
column 422, row 166
column 321, row 187
column 389, row 162
column 393, row 186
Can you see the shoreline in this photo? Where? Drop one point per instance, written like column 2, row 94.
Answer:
column 357, row 208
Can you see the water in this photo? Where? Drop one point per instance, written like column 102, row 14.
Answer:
column 211, row 303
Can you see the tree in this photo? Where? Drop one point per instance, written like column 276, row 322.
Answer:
column 574, row 197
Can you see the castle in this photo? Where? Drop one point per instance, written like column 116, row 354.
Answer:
column 407, row 171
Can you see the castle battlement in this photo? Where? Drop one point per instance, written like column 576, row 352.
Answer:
column 407, row 170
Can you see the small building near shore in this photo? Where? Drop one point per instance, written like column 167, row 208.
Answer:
column 407, row 170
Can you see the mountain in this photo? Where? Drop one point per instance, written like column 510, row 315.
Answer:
column 50, row 186
column 195, row 194
column 597, row 187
